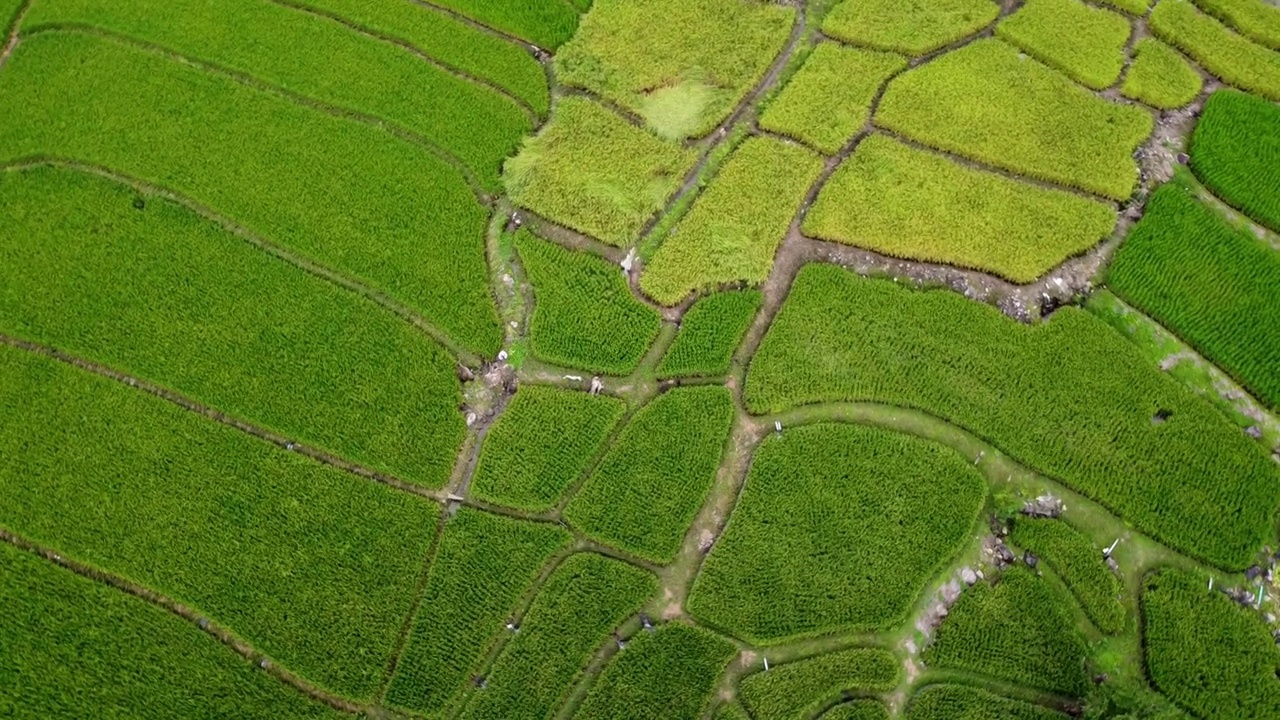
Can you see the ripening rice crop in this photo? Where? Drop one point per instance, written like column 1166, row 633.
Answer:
column 147, row 287
column 1233, row 58
column 1069, row 397
column 828, row 100
column 1160, row 76
column 590, row 170
column 1235, row 151
column 682, row 65
column 988, row 102
column 710, row 332
column 267, row 543
column 541, row 444
column 963, row 702
column 650, row 484
column 911, row 203
column 546, row 24
column 1075, row 559
column 1212, row 284
column 820, row 500
column 913, row 27
column 1205, row 652
column 483, row 565
column 342, row 193
column 82, row 649
column 1258, row 21
column 1014, row 629
column 1085, row 42
column 858, row 710
column 584, row 314
column 734, row 228
column 801, row 689
column 668, row 673
column 583, row 601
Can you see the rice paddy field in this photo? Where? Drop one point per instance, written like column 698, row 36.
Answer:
column 640, row 359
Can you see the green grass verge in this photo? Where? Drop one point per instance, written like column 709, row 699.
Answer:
column 734, row 228
column 1233, row 58
column 1076, row 560
column 987, row 102
column 858, row 710
column 1258, row 21
column 124, row 481
column 802, row 689
column 1235, row 151
column 668, row 673
column 827, row 102
column 914, row 27
column 452, row 42
column 962, row 702
column 1070, row 398
column 820, row 500
column 710, row 332
column 318, row 58
column 682, row 65
column 1014, row 629
column 346, row 194
column 591, row 170
column 1160, row 76
column 541, row 444
column 75, row 648
column 1205, row 652
column 651, row 483
column 482, row 567
column 914, row 204
column 1085, row 42
column 545, row 24
column 584, row 314
column 1208, row 282
column 584, row 600
column 148, row 287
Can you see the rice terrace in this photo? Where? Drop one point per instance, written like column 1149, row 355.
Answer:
column 640, row 359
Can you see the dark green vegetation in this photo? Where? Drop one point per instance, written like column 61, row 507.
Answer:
column 819, row 501
column 987, row 103
column 541, row 444
column 1235, row 151
column 482, row 567
column 858, row 710
column 801, row 689
column 1209, row 282
column 709, row 333
column 654, row 478
column 341, row 192
column 1069, row 397
column 1015, row 629
column 1085, row 42
column 136, row 486
column 962, row 702
column 1235, row 59
column 583, row 601
column 584, row 314
column 168, row 296
column 74, row 648
column 1075, row 559
column 667, row 673
column 1160, row 76
column 1205, row 652
column 914, row 27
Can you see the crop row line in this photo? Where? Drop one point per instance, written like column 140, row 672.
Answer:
column 460, row 354
column 402, row 133
column 407, row 625
column 221, row 634
column 529, row 47
column 625, row 113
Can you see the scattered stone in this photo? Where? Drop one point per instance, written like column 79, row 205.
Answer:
column 1182, row 158
column 1270, row 618
column 910, row 646
column 1252, row 573
column 1005, row 554
column 471, row 419
column 264, row 663
column 480, row 681
column 502, row 356
column 1275, row 635
column 1254, row 432
column 1030, row 559
column 1115, row 566
column 629, row 261
column 968, row 576
column 646, row 623
column 465, row 374
column 705, row 540
column 951, row 591
column 596, row 385
column 203, row 623
column 1046, row 506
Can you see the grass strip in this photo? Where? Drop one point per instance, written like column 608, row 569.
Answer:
column 1160, row 76
column 802, row 689
column 1078, row 562
column 1235, row 151
column 1091, row 53
column 1232, row 57
column 710, row 332
column 913, row 27
column 962, row 702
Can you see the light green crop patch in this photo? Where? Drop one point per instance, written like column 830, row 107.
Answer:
column 591, row 170
column 1255, row 19
column 829, row 99
column 1232, row 57
column 909, row 203
column 1160, row 76
column 988, row 102
column 1086, row 43
column 913, row 27
column 681, row 64
column 735, row 227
